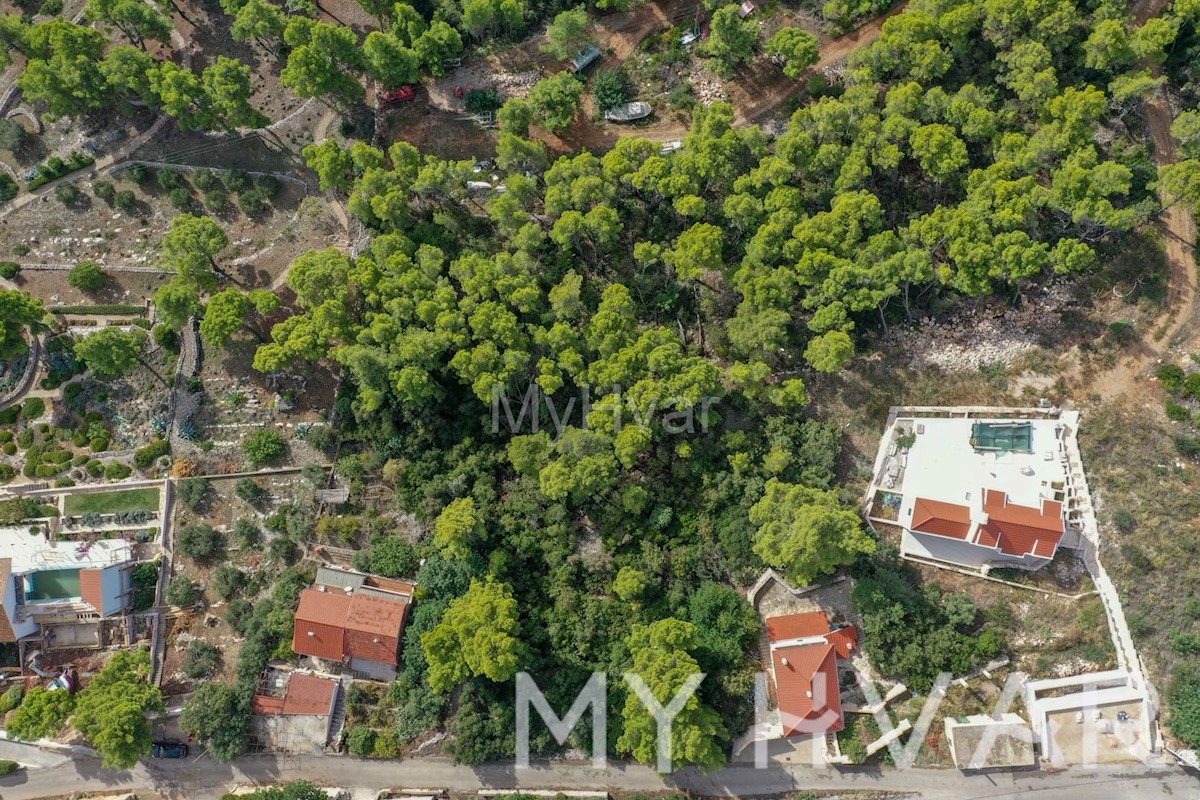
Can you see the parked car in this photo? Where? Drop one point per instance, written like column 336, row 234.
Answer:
column 401, row 95
column 169, row 750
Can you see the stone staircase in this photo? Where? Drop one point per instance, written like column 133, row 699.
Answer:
column 338, row 720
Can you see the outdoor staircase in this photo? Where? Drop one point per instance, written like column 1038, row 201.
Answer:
column 338, row 720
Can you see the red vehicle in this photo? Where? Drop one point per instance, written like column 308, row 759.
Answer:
column 400, row 95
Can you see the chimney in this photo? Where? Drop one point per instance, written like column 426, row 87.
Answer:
column 312, row 633
column 785, row 661
column 321, row 588
column 808, row 694
column 375, row 640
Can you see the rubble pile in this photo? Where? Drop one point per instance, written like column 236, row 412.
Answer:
column 517, row 84
column 981, row 334
column 707, row 87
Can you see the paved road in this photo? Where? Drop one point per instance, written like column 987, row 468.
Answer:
column 203, row 778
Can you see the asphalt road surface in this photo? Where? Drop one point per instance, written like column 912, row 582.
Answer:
column 202, row 779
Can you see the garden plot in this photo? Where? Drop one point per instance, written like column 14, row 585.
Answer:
column 118, row 219
column 79, row 436
column 1048, row 636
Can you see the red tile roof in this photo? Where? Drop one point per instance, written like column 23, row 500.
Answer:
column 268, row 706
column 941, row 519
column 373, row 628
column 797, row 626
column 810, row 625
column 91, row 589
column 807, row 687
column 6, row 632
column 1021, row 530
column 320, row 629
column 306, row 694
column 337, row 627
column 844, row 640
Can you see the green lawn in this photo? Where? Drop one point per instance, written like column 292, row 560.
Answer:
column 112, row 502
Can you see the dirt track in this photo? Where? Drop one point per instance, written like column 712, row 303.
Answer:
column 1179, row 240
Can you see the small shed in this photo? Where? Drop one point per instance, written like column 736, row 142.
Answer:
column 746, row 9
column 584, row 57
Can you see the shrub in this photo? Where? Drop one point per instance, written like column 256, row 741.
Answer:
column 166, row 338
column 98, row 445
column 204, row 179
column 168, row 179
column 1171, row 377
column 227, row 581
column 238, row 615
column 215, row 200
column 482, row 101
column 180, row 198
column 34, row 407
column 1192, row 607
column 116, row 471
column 268, row 185
column 105, row 191
column 181, row 592
column 51, row 8
column 1123, row 520
column 284, row 550
column 264, row 446
column 11, row 699
column 199, row 542
column 87, row 276
column 360, row 741
column 9, row 269
column 138, row 173
column 126, row 201
column 8, row 190
column 249, row 491
column 201, row 659
column 247, row 533
column 1188, row 446
column 193, row 492
column 7, row 471
column 12, row 134
column 67, row 193
column 1137, row 557
column 146, row 456
column 235, row 180
column 608, row 88
column 145, row 584
column 9, row 767
column 252, row 203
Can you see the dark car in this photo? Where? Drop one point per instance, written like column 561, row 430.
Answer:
column 393, row 96
column 169, row 750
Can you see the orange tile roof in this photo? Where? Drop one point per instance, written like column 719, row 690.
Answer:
column 941, row 519
column 797, row 626
column 91, row 589
column 807, row 687
column 844, row 641
column 320, row 630
column 308, row 694
column 337, row 627
column 1021, row 530
column 305, row 694
column 268, row 706
column 322, row 608
column 809, row 625
column 373, row 628
column 6, row 632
